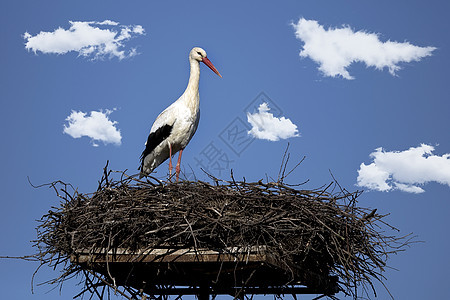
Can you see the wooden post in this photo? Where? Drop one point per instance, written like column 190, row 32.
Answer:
column 204, row 292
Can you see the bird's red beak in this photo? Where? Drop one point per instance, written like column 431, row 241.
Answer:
column 211, row 66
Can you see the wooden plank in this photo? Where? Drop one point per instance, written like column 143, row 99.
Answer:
column 254, row 254
column 231, row 267
column 269, row 290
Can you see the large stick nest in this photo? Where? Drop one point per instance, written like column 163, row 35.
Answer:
column 309, row 232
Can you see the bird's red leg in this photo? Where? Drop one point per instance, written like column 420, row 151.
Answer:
column 170, row 161
column 177, row 168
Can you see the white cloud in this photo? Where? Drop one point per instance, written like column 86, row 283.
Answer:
column 404, row 170
column 266, row 126
column 335, row 49
column 89, row 39
column 96, row 125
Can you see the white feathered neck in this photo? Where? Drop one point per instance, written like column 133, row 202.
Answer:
column 190, row 96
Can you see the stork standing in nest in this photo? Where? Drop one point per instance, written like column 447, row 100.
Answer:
column 175, row 126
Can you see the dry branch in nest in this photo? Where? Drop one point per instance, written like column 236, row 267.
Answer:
column 310, row 235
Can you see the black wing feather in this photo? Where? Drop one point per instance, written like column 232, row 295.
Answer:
column 154, row 139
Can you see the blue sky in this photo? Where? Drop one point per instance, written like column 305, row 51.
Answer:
column 342, row 117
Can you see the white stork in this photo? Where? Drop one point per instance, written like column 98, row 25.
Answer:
column 175, row 126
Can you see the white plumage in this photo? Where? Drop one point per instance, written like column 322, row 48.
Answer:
column 175, row 126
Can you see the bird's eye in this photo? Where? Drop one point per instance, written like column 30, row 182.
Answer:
column 199, row 54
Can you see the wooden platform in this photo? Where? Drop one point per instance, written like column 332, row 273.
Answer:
column 235, row 271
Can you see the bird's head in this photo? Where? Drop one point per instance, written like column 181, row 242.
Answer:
column 199, row 55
